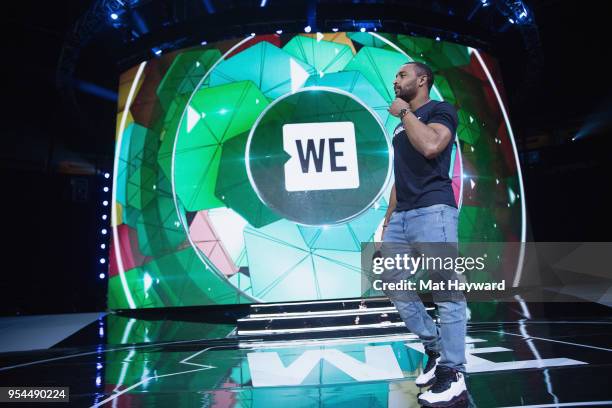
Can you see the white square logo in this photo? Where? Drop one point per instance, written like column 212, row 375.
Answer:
column 323, row 156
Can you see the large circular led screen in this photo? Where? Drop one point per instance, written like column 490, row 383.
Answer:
column 252, row 170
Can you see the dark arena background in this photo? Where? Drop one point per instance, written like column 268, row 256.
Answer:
column 166, row 244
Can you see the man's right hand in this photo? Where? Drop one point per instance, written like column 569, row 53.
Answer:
column 382, row 235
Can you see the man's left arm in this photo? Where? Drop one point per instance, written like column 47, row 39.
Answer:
column 429, row 140
column 432, row 139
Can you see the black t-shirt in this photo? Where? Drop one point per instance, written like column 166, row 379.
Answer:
column 420, row 182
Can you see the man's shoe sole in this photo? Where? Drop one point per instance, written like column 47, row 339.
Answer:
column 453, row 401
column 427, row 384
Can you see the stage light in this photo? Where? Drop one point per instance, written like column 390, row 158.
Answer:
column 114, row 16
column 252, row 34
column 104, row 216
column 307, row 29
column 437, row 38
column 105, row 189
column 263, row 3
column 511, row 20
column 106, row 175
column 102, row 246
column 104, row 231
column 99, row 366
column 105, row 203
column 204, row 43
column 279, row 32
column 102, row 260
column 366, row 25
column 335, row 29
column 156, row 51
column 102, row 276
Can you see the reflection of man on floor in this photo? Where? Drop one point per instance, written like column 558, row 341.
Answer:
column 421, row 209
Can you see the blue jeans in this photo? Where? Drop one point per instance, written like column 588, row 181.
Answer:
column 436, row 223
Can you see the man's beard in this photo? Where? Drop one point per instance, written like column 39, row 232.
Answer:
column 406, row 95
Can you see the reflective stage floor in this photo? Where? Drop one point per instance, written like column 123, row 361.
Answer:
column 518, row 354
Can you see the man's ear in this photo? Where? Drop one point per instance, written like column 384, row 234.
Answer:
column 422, row 81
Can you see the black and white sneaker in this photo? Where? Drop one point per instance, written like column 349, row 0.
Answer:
column 428, row 377
column 448, row 389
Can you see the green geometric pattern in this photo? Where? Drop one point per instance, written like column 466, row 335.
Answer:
column 272, row 70
column 440, row 54
column 468, row 129
column 214, row 116
column 234, row 188
column 324, row 56
column 184, row 74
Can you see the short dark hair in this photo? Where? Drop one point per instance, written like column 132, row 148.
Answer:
column 423, row 69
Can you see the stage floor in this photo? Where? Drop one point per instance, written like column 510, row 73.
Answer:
column 518, row 355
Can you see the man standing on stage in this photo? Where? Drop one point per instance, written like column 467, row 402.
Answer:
column 422, row 208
